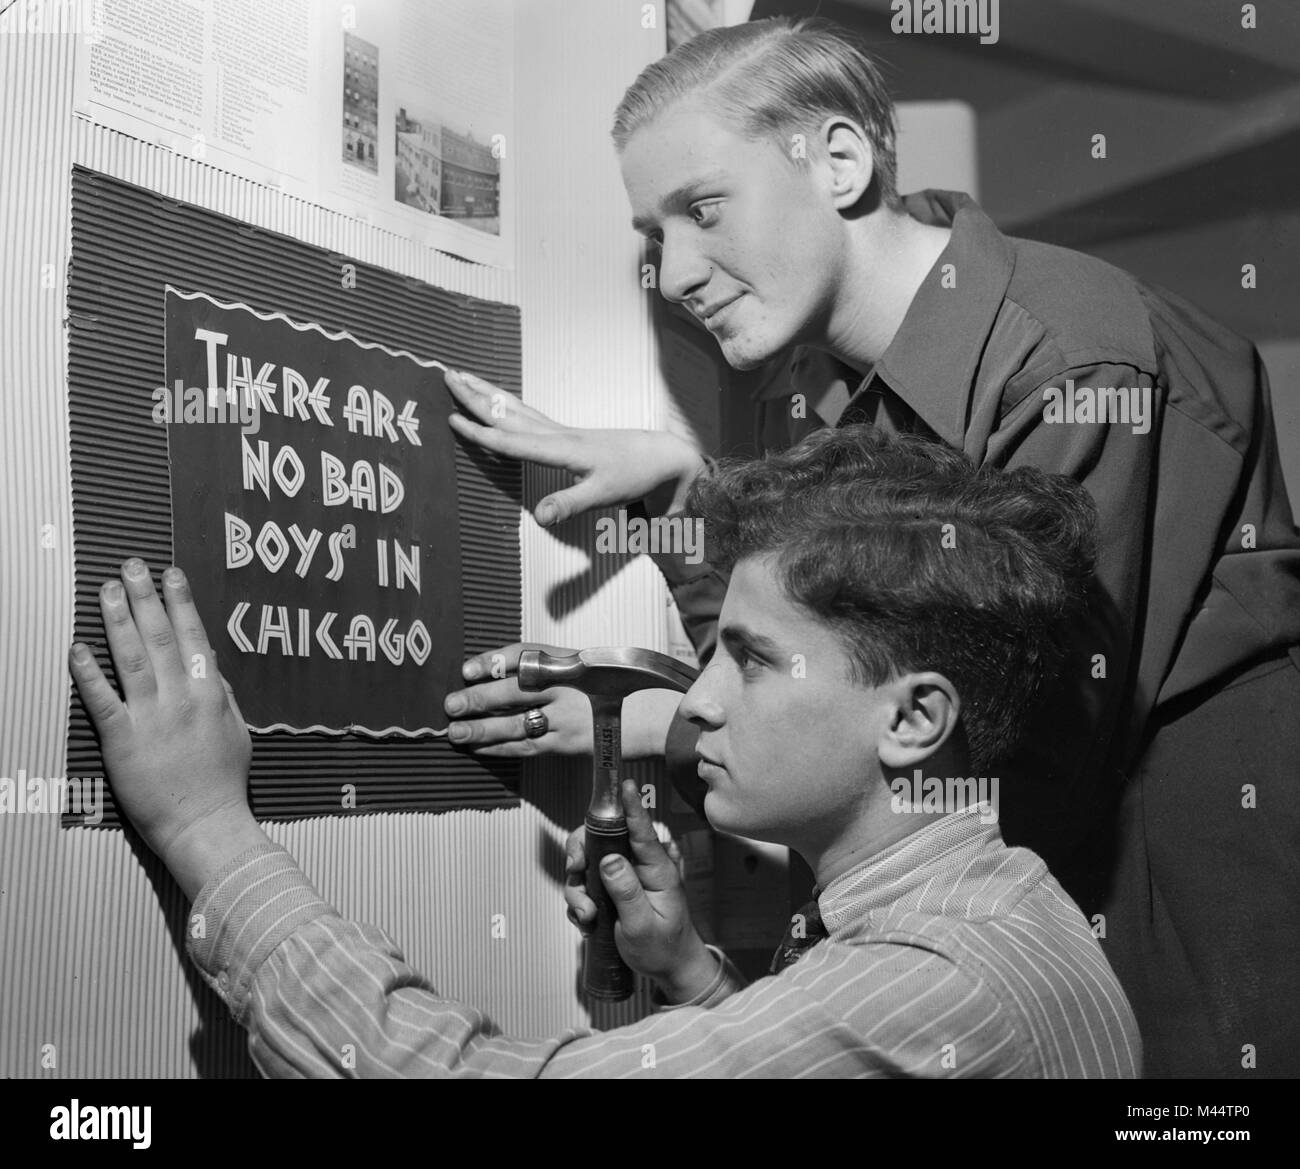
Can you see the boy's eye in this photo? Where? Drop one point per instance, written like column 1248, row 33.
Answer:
column 705, row 214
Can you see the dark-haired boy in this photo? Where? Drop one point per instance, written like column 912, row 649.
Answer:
column 886, row 625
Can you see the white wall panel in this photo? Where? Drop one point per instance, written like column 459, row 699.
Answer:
column 589, row 355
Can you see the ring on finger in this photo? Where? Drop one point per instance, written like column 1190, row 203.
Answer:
column 536, row 724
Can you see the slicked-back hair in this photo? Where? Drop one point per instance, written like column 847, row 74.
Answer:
column 771, row 79
column 919, row 561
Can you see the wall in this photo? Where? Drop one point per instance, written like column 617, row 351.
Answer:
column 91, row 971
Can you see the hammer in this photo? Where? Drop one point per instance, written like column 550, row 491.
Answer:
column 606, row 677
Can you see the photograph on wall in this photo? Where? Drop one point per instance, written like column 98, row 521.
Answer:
column 443, row 172
column 360, row 103
column 399, row 112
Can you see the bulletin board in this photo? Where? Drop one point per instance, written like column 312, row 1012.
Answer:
column 147, row 276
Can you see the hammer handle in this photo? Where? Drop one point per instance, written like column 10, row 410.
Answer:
column 606, row 975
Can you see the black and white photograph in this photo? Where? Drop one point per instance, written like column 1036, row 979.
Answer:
column 444, row 172
column 419, row 162
column 698, row 540
column 360, row 103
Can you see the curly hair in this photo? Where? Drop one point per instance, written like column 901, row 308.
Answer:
column 770, row 78
column 919, row 561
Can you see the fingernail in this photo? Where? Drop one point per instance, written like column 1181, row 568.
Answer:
column 546, row 514
column 80, row 654
column 612, row 864
column 113, row 591
column 471, row 671
column 454, row 706
column 135, row 568
column 174, row 576
column 458, row 732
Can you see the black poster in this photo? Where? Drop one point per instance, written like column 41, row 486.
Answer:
column 313, row 490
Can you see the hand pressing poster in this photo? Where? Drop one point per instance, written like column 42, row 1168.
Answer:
column 313, row 485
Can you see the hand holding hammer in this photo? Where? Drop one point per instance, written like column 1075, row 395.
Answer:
column 606, row 676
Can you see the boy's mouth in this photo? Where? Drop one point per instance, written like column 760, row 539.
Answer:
column 708, row 769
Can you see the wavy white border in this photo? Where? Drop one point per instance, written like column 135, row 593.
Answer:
column 318, row 729
column 306, row 327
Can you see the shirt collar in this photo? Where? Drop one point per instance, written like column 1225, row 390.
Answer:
column 931, row 361
column 935, row 853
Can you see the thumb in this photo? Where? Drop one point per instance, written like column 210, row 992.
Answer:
column 654, row 865
column 562, row 505
column 620, row 880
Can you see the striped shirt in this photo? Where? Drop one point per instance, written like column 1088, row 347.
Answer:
column 948, row 954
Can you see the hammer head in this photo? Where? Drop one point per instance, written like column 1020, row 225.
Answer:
column 609, row 673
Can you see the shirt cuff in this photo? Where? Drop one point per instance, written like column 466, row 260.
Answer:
column 243, row 913
column 725, row 983
column 676, row 568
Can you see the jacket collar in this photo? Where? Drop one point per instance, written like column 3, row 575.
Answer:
column 931, row 362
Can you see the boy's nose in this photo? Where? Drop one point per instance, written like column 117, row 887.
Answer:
column 683, row 271
column 701, row 705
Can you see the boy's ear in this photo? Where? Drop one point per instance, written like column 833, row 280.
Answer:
column 924, row 714
column 851, row 160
